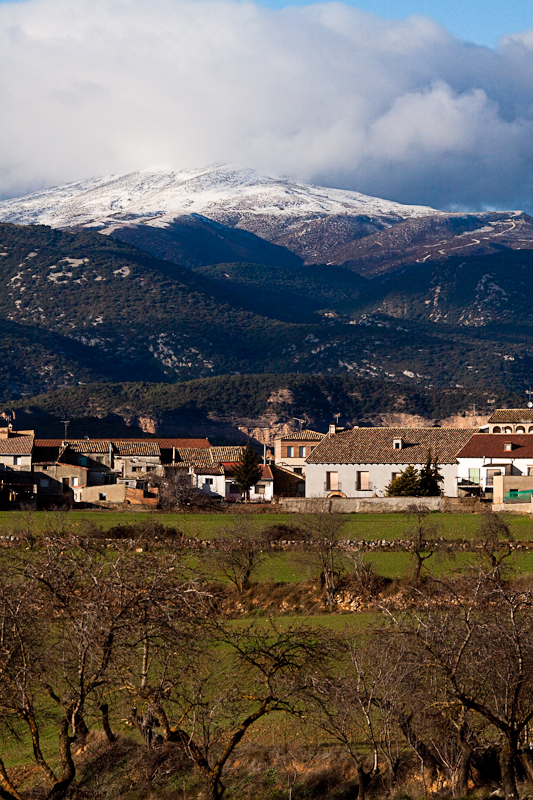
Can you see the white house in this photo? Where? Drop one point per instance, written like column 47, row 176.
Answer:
column 361, row 462
column 490, row 454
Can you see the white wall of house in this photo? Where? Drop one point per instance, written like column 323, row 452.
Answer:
column 352, row 477
column 210, row 484
column 480, row 469
column 262, row 491
column 16, row 462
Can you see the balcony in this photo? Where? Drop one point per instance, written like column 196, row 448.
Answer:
column 367, row 487
column 334, row 487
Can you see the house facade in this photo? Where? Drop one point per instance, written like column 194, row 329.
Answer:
column 510, row 420
column 487, row 455
column 361, row 462
column 291, row 451
column 16, row 448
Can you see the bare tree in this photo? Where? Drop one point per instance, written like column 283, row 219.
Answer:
column 239, row 551
column 422, row 531
column 476, row 646
column 323, row 531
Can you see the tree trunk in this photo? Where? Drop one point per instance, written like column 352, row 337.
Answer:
column 508, row 753
column 429, row 761
column 111, row 738
column 463, row 773
column 60, row 789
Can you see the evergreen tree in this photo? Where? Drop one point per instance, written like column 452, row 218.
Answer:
column 430, row 478
column 407, row 484
column 248, row 471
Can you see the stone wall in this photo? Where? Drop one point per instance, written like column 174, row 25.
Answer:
column 377, row 505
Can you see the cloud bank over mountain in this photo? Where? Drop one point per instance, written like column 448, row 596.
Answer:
column 323, row 93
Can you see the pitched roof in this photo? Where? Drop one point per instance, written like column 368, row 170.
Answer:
column 376, row 446
column 142, row 447
column 491, row 445
column 266, row 472
column 16, row 446
column 168, row 444
column 203, row 457
column 512, row 415
column 301, row 436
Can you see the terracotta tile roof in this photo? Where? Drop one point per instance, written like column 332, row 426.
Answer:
column 168, row 444
column 491, row 445
column 375, row 446
column 512, row 415
column 142, row 447
column 88, row 445
column 202, row 457
column 301, row 436
column 48, row 442
column 16, row 446
column 213, row 469
column 266, row 472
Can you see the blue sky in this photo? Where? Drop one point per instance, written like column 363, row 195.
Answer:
column 479, row 21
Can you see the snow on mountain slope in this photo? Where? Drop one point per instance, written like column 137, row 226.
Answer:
column 221, row 192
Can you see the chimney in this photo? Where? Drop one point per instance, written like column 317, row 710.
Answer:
column 332, row 429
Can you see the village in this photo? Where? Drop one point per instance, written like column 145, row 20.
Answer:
column 352, row 467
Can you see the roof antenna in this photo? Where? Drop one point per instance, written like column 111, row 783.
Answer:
column 529, row 392
column 301, row 421
column 66, row 423
column 337, row 417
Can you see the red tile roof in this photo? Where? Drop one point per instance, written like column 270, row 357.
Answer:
column 16, row 446
column 491, row 445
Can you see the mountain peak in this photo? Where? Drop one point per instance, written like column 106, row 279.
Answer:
column 222, row 192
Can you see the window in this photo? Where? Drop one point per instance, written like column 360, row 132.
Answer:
column 290, row 452
column 313, row 447
column 17, row 460
column 83, row 461
column 332, row 481
column 394, row 475
column 508, row 446
column 507, row 429
column 102, row 496
column 260, row 488
column 75, row 481
column 363, row 482
column 397, row 444
column 136, row 469
column 473, row 475
column 298, row 470
column 530, row 470
column 44, row 483
column 100, row 459
column 209, row 481
column 301, row 452
column 520, row 429
column 496, row 429
column 490, row 476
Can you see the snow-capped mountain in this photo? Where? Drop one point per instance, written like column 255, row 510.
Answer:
column 220, row 192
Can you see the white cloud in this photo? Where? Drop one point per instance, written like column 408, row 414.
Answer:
column 322, row 92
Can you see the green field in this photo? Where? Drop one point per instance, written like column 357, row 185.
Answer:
column 360, row 527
